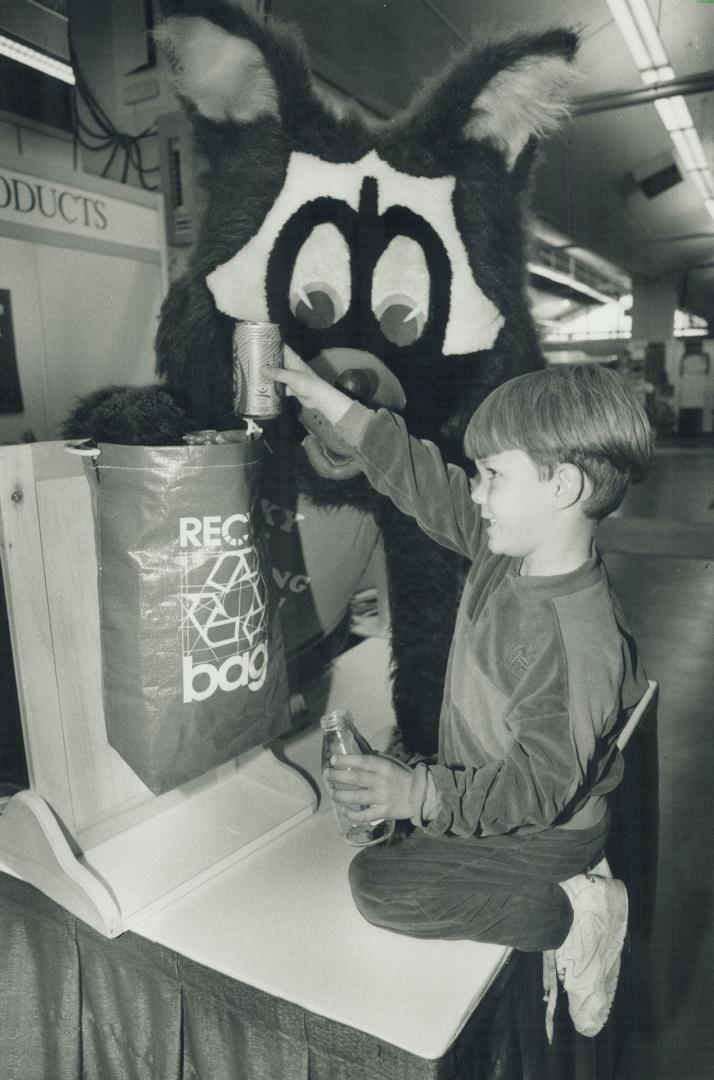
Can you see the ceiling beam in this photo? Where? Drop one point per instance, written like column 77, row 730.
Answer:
column 36, row 26
column 446, row 21
column 645, row 95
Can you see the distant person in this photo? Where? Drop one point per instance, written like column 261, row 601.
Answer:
column 665, row 418
column 512, row 820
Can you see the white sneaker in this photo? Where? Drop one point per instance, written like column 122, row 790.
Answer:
column 588, row 961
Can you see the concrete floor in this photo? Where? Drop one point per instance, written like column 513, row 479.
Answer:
column 669, row 600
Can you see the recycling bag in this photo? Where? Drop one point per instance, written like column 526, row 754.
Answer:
column 193, row 663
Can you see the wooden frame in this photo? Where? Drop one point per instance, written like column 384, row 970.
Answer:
column 89, row 833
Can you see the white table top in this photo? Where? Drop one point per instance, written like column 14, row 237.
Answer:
column 283, row 919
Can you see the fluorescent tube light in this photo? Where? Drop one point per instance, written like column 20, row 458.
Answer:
column 645, row 24
column 703, row 182
column 23, row 54
column 674, row 113
column 681, row 145
column 633, row 39
column 656, row 75
column 638, row 29
column 691, row 137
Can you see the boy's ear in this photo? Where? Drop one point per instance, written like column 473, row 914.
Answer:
column 571, row 485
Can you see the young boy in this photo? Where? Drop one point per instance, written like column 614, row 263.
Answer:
column 541, row 676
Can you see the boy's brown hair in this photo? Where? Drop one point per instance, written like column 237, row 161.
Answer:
column 581, row 414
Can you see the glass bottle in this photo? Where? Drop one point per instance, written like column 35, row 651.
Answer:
column 340, row 736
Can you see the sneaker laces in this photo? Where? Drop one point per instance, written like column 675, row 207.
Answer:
column 597, row 939
column 550, row 988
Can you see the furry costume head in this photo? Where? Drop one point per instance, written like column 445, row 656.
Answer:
column 392, row 251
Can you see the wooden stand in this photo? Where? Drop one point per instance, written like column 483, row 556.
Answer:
column 89, row 833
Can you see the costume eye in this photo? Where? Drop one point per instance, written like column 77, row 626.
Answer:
column 320, row 288
column 400, row 291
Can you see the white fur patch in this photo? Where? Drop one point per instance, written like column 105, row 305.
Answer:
column 225, row 77
column 528, row 98
column 238, row 286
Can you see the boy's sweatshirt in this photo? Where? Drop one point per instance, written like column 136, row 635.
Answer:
column 542, row 670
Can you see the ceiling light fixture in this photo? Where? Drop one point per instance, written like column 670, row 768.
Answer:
column 40, row 61
column 656, row 75
column 638, row 29
column 674, row 113
column 703, row 182
column 646, row 26
column 681, row 145
column 630, row 32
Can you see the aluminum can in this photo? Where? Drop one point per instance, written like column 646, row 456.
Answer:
column 255, row 344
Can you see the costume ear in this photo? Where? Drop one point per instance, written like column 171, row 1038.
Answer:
column 527, row 99
column 225, row 77
column 506, row 94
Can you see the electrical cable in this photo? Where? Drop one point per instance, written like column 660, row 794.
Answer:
column 104, row 135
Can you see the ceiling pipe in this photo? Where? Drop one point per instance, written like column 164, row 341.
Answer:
column 645, row 95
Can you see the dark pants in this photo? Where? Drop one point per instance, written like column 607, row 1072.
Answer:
column 499, row 889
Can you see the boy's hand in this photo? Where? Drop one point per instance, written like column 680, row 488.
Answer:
column 367, row 786
column 302, row 382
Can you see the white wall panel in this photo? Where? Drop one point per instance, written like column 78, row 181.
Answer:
column 100, row 315
column 18, row 274
column 81, row 320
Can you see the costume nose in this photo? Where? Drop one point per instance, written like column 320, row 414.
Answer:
column 363, row 377
column 358, row 383
column 360, row 375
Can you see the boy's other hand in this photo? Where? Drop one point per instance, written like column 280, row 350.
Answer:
column 312, row 391
column 369, row 786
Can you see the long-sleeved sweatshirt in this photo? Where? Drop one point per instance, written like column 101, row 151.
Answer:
column 542, row 670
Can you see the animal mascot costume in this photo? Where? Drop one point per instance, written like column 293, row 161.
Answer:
column 390, row 254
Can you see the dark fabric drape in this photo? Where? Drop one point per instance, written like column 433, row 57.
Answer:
column 77, row 1006
column 39, row 987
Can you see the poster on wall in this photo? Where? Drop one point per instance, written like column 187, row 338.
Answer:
column 10, row 392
